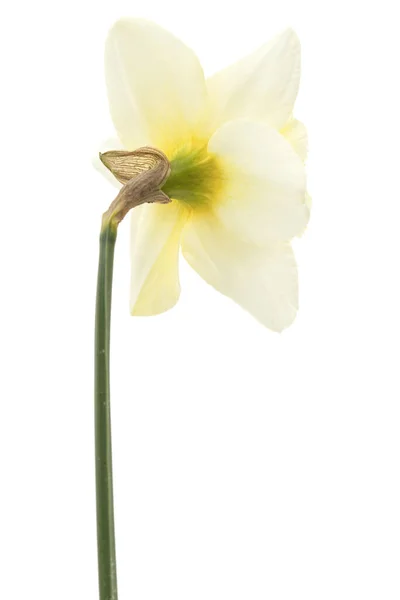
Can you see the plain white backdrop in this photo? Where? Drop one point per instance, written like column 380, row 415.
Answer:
column 248, row 465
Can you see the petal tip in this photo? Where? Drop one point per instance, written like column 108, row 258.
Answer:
column 289, row 39
column 116, row 28
column 126, row 24
column 290, row 35
column 121, row 23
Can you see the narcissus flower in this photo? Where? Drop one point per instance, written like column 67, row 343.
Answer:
column 237, row 181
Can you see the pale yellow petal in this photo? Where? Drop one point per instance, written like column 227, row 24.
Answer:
column 261, row 280
column 296, row 134
column 262, row 86
column 155, row 238
column 155, row 85
column 264, row 194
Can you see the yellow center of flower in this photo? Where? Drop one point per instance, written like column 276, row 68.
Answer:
column 196, row 177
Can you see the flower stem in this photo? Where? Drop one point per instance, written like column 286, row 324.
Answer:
column 104, row 479
column 148, row 170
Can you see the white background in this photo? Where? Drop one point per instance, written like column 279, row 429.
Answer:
column 248, row 465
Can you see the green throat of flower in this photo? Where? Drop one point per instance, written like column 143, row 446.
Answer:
column 195, row 176
column 195, row 179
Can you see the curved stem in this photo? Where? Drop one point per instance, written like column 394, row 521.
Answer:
column 104, row 479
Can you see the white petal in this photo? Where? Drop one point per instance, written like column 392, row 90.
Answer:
column 155, row 84
column 262, row 86
column 264, row 195
column 262, row 280
column 155, row 237
column 296, row 134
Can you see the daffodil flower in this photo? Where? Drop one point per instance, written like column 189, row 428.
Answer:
column 237, row 180
column 214, row 167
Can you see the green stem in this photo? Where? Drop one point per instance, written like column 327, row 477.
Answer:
column 104, row 479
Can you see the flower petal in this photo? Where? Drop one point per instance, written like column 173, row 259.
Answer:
column 155, row 237
column 155, row 84
column 263, row 86
column 296, row 134
column 262, row 280
column 264, row 193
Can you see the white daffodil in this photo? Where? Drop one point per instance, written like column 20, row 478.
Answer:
column 237, row 181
